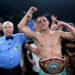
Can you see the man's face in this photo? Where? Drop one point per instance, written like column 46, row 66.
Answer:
column 8, row 29
column 54, row 27
column 0, row 26
column 43, row 23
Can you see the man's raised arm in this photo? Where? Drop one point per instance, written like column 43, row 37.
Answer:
column 22, row 25
column 71, row 33
column 23, row 22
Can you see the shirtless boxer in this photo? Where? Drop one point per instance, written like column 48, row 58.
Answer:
column 48, row 42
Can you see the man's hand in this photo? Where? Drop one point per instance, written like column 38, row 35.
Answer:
column 61, row 24
column 33, row 62
column 31, row 11
column 53, row 18
column 28, row 47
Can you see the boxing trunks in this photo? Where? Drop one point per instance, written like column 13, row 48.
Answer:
column 52, row 65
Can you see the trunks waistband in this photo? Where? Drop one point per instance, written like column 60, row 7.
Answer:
column 62, row 58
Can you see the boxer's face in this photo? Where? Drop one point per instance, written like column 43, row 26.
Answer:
column 43, row 23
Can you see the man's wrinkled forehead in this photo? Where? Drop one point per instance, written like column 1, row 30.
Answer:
column 41, row 18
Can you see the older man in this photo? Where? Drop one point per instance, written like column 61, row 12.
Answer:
column 10, row 50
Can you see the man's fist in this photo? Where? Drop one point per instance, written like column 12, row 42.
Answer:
column 53, row 18
column 32, row 10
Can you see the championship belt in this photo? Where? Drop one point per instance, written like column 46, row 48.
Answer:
column 52, row 65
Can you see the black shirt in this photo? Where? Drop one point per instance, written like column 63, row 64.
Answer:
column 64, row 47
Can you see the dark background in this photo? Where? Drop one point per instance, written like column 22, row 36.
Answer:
column 15, row 9
column 63, row 9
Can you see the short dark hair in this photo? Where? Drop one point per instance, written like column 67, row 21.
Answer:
column 1, row 20
column 42, row 16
